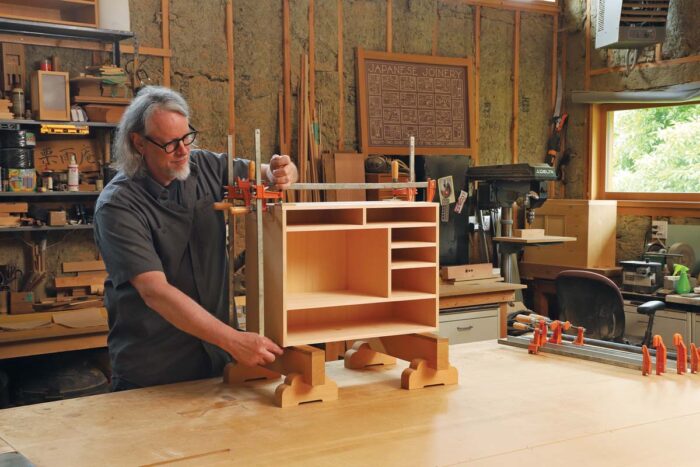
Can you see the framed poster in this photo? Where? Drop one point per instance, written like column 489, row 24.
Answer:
column 430, row 98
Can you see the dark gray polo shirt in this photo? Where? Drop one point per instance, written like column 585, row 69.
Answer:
column 141, row 226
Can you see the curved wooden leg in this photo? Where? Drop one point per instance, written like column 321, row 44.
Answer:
column 419, row 375
column 361, row 355
column 235, row 373
column 295, row 391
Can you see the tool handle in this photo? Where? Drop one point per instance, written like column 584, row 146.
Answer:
column 238, row 210
column 521, row 326
column 395, row 171
column 251, row 170
column 529, row 319
column 222, row 205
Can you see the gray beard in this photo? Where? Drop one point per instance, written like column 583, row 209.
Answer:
column 181, row 174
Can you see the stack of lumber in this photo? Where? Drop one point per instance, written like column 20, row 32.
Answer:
column 5, row 113
column 476, row 274
column 309, row 138
column 11, row 213
column 88, row 280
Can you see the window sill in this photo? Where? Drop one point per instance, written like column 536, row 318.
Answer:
column 658, row 208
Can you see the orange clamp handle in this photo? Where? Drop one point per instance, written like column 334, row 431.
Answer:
column 395, row 171
column 251, row 170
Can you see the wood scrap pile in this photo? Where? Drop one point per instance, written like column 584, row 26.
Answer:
column 11, row 214
column 5, row 113
column 474, row 274
column 88, row 280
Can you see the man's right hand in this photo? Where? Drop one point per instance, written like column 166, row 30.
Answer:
column 252, row 349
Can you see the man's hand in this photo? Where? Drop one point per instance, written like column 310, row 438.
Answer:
column 252, row 349
column 281, row 171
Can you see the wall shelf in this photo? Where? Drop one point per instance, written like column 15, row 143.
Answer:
column 47, row 228
column 12, row 124
column 69, row 30
column 49, row 194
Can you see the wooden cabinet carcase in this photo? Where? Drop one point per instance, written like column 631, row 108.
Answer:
column 344, row 271
column 593, row 223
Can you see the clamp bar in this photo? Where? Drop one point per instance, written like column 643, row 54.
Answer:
column 259, row 225
column 355, row 186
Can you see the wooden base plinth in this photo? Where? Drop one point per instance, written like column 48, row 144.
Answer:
column 428, row 354
column 295, row 391
column 237, row 374
column 420, row 375
column 306, row 376
column 361, row 355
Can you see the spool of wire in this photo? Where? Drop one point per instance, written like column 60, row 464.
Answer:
column 17, row 139
column 17, row 158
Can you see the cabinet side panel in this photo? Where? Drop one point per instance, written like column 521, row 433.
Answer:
column 251, row 275
column 275, row 264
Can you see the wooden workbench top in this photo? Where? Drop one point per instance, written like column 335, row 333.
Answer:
column 468, row 288
column 510, row 408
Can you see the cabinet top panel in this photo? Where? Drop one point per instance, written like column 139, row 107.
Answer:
column 355, row 204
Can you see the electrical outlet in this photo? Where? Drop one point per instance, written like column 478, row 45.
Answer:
column 659, row 229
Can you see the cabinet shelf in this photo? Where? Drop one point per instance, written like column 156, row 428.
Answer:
column 311, row 300
column 350, row 330
column 323, row 227
column 397, row 245
column 46, row 228
column 400, row 224
column 406, row 264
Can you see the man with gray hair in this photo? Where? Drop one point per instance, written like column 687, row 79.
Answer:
column 164, row 247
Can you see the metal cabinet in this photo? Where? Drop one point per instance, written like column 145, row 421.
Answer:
column 695, row 326
column 666, row 323
column 462, row 325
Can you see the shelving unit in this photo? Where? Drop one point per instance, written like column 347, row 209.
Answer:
column 14, row 124
column 62, row 30
column 66, row 12
column 345, row 271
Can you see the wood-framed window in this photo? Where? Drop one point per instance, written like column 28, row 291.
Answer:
column 647, row 156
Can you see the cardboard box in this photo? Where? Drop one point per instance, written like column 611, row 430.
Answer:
column 21, row 302
column 57, row 218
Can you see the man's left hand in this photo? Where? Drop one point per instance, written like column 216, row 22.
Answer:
column 282, row 172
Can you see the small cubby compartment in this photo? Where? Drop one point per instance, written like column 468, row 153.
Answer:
column 415, row 237
column 413, row 257
column 412, row 214
column 336, row 264
column 323, row 218
column 339, row 323
column 411, row 281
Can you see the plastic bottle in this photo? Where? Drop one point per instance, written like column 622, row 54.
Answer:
column 683, row 284
column 73, row 174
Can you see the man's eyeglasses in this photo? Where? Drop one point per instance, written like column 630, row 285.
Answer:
column 171, row 146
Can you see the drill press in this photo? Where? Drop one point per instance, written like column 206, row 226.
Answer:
column 499, row 186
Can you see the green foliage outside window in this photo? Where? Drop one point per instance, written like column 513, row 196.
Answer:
column 656, row 150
